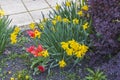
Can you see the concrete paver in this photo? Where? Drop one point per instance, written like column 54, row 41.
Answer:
column 35, row 4
column 54, row 2
column 37, row 15
column 12, row 6
column 22, row 12
column 21, row 19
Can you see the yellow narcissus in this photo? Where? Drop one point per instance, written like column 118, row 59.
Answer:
column 62, row 63
column 57, row 7
column 2, row 13
column 85, row 8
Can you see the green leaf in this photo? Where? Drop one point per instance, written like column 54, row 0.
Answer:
column 118, row 38
column 5, row 31
column 90, row 71
column 89, row 78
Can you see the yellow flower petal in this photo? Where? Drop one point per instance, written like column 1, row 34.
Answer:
column 65, row 45
column 16, row 30
column 27, row 77
column 68, row 3
column 80, row 13
column 45, row 53
column 66, row 20
column 2, row 13
column 37, row 33
column 62, row 63
column 54, row 22
column 69, row 52
column 85, row 26
column 58, row 18
column 85, row 8
column 57, row 7
column 12, row 78
column 32, row 25
column 75, row 21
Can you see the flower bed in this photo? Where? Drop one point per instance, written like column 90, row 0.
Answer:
column 59, row 43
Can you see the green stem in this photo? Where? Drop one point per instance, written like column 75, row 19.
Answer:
column 75, row 63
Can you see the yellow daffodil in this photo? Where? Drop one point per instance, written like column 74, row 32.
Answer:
column 78, row 54
column 75, row 21
column 72, row 47
column 41, row 26
column 45, row 53
column 57, row 7
column 66, row 20
column 62, row 63
column 37, row 33
column 19, row 76
column 16, row 30
column 69, row 52
column 32, row 25
column 54, row 22
column 13, row 38
column 13, row 41
column 85, row 8
column 44, row 19
column 27, row 77
column 2, row 13
column 65, row 45
column 13, row 35
column 84, row 48
column 82, row 51
column 80, row 13
column 58, row 18
column 68, row 3
column 85, row 26
column 12, row 78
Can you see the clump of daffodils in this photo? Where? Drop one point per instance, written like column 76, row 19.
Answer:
column 13, row 36
column 83, row 9
column 74, row 48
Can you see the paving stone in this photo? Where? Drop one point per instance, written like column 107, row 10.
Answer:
column 35, row 4
column 37, row 15
column 16, row 9
column 61, row 1
column 21, row 19
column 0, row 7
column 12, row 6
column 54, row 2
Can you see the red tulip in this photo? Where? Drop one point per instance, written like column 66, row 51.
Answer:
column 31, row 33
column 40, row 48
column 35, row 53
column 41, row 68
column 30, row 49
